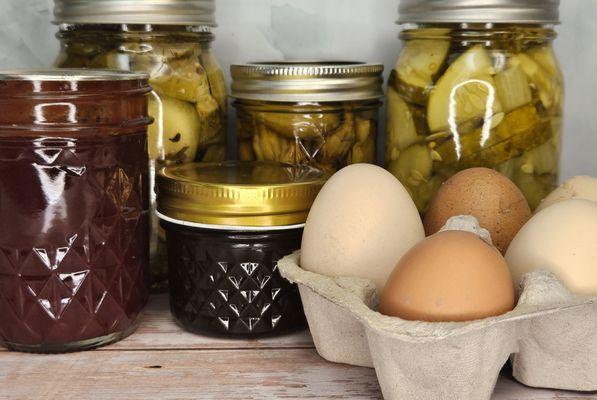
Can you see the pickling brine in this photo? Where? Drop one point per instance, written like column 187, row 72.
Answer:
column 470, row 95
column 329, row 136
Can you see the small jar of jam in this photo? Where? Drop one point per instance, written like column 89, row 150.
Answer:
column 73, row 208
column 227, row 225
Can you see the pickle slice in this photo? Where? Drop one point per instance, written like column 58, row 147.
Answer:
column 174, row 135
column 545, row 84
column 183, row 79
column 245, row 150
column 541, row 160
column 302, row 126
column 414, row 165
column 339, row 142
column 418, row 65
column 269, row 146
column 520, row 131
column 535, row 188
column 545, row 57
column 214, row 153
column 216, row 79
column 210, row 118
column 363, row 152
column 401, row 129
column 513, row 89
column 465, row 91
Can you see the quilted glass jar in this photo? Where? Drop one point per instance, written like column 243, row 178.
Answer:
column 227, row 225
column 477, row 84
column 73, row 208
column 323, row 114
column 171, row 41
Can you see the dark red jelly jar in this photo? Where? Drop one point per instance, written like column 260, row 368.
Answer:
column 227, row 225
column 73, row 208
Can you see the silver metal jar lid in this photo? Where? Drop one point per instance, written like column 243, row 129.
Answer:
column 483, row 11
column 71, row 75
column 158, row 12
column 325, row 81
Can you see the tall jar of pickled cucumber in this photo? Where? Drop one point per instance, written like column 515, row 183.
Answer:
column 477, row 84
column 321, row 114
column 171, row 41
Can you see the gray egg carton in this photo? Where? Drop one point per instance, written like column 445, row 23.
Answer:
column 550, row 337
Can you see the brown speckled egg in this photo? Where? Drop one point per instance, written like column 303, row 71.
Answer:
column 493, row 199
column 450, row 276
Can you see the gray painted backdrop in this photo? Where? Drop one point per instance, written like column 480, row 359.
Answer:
column 340, row 29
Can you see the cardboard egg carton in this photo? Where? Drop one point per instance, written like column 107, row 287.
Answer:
column 551, row 338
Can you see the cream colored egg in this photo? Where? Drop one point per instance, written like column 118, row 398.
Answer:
column 362, row 222
column 579, row 187
column 562, row 239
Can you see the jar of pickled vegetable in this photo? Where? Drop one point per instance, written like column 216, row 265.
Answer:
column 476, row 84
column 171, row 41
column 319, row 114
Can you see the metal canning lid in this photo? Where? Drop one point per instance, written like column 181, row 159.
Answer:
column 237, row 193
column 158, row 12
column 482, row 11
column 69, row 75
column 307, row 81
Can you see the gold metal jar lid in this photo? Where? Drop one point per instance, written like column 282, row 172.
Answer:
column 237, row 193
column 321, row 81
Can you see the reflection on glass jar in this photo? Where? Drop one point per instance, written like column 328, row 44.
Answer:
column 227, row 226
column 74, row 253
column 475, row 94
column 318, row 114
column 172, row 45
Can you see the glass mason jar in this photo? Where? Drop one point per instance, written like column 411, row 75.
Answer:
column 319, row 114
column 476, row 85
column 172, row 43
column 74, row 223
column 227, row 226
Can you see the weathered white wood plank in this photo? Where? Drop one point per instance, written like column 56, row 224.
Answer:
column 187, row 374
column 161, row 361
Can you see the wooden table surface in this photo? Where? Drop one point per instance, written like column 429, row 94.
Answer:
column 161, row 361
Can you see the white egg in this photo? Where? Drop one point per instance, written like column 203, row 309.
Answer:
column 562, row 239
column 579, row 187
column 360, row 225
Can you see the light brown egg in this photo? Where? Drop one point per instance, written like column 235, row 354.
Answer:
column 450, row 276
column 485, row 194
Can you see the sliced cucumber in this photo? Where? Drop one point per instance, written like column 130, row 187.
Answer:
column 513, row 89
column 174, row 135
column 401, row 130
column 464, row 92
column 418, row 65
column 545, row 84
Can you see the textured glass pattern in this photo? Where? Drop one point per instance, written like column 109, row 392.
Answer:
column 73, row 238
column 228, row 282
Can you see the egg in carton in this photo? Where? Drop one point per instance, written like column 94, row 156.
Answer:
column 549, row 337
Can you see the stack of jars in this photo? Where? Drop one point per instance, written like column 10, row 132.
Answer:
column 122, row 180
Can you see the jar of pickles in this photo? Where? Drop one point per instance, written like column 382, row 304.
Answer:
column 477, row 84
column 320, row 114
column 171, row 41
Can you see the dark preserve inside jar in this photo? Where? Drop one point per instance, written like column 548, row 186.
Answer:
column 227, row 281
column 73, row 208
column 227, row 225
